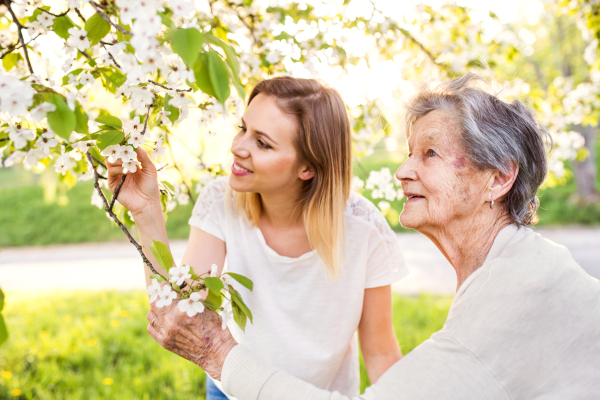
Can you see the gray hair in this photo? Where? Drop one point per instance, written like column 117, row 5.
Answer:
column 495, row 134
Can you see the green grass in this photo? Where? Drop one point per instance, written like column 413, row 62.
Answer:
column 94, row 345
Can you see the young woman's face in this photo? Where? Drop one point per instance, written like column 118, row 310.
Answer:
column 264, row 157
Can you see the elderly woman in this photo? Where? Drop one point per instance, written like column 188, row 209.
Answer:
column 525, row 322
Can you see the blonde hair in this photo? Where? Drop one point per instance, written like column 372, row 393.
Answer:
column 323, row 142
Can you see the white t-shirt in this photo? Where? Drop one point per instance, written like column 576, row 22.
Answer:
column 304, row 323
column 524, row 326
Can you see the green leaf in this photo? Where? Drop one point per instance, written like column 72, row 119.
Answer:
column 110, row 121
column 202, row 75
column 10, row 60
column 96, row 28
column 163, row 256
column 239, row 317
column 175, row 287
column 158, row 277
column 188, row 43
column 247, row 283
column 237, row 84
column 214, row 284
column 229, row 52
column 218, row 76
column 213, row 301
column 166, row 20
column 109, row 138
column 75, row 72
column 237, row 299
column 81, row 120
column 62, row 120
column 61, row 26
column 95, row 153
column 3, row 331
column 112, row 79
column 1, row 300
column 174, row 116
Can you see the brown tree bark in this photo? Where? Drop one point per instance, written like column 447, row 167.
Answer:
column 585, row 171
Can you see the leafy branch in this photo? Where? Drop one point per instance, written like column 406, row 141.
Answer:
column 107, row 19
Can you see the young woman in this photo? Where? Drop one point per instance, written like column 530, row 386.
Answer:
column 322, row 259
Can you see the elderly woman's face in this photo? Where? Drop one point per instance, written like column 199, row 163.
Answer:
column 438, row 180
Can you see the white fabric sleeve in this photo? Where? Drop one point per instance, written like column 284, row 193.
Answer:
column 437, row 369
column 209, row 210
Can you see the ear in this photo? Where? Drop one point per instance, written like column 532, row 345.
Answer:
column 503, row 181
column 306, row 172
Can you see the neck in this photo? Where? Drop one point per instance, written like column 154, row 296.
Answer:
column 466, row 244
column 282, row 209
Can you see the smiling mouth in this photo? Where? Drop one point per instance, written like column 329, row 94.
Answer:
column 238, row 168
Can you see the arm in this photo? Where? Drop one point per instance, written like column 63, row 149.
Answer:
column 377, row 339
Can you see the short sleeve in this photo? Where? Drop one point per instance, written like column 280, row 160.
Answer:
column 209, row 210
column 385, row 261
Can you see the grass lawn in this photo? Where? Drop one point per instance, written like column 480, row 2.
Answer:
column 94, row 345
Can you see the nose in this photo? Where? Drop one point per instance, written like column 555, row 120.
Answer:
column 239, row 146
column 406, row 172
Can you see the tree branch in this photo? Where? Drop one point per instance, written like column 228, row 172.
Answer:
column 86, row 55
column 20, row 27
column 146, row 121
column 110, row 54
column 107, row 19
column 79, row 14
column 55, row 15
column 108, row 209
column 165, row 87
column 410, row 37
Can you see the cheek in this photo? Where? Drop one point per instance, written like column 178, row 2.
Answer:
column 278, row 166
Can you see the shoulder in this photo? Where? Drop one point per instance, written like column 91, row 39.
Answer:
column 212, row 197
column 362, row 211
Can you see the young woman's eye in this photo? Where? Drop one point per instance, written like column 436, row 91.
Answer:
column 431, row 153
column 262, row 144
column 242, row 128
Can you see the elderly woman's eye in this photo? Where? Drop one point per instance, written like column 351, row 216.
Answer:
column 431, row 153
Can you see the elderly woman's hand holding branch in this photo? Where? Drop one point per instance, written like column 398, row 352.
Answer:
column 198, row 339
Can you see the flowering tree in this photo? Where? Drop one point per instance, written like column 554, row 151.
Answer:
column 83, row 81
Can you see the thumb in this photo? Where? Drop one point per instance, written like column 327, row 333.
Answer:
column 143, row 158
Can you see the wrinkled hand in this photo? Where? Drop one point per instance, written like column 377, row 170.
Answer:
column 198, row 339
column 140, row 189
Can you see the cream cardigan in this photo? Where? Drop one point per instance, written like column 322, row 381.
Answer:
column 525, row 325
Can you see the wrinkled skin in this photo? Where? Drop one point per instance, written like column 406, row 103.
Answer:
column 198, row 339
column 452, row 207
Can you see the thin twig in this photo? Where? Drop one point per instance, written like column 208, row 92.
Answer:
column 146, row 121
column 410, row 37
column 4, row 139
column 99, row 162
column 108, row 209
column 110, row 55
column 14, row 47
column 86, row 55
column 20, row 27
column 55, row 15
column 117, row 190
column 79, row 14
column 107, row 19
column 168, row 88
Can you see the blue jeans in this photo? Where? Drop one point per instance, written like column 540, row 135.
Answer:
column 213, row 392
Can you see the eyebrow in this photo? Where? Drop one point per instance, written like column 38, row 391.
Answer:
column 261, row 133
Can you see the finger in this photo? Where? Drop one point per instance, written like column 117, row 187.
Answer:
column 118, row 162
column 114, row 172
column 156, row 335
column 150, row 315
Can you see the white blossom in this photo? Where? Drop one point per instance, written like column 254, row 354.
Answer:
column 191, row 306
column 46, row 142
column 113, row 152
column 164, row 117
column 160, row 150
column 39, row 113
column 46, row 19
column 165, row 296
column 130, row 166
column 179, row 274
column 153, row 289
column 64, row 164
column 226, row 313
column 20, row 136
column 86, row 79
column 78, row 39
column 127, row 153
column 136, row 139
column 33, row 157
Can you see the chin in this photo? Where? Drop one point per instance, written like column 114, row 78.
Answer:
column 237, row 185
column 409, row 221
